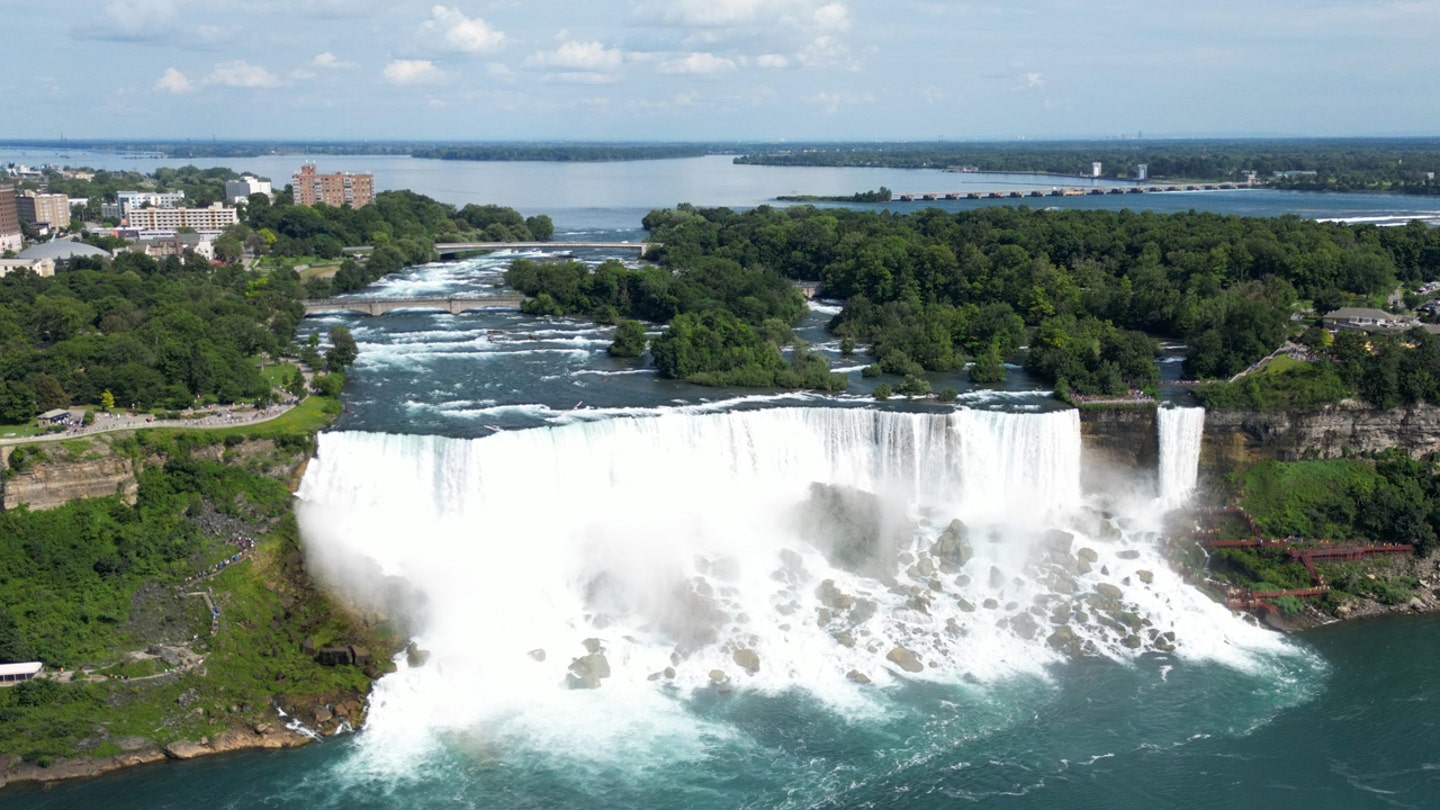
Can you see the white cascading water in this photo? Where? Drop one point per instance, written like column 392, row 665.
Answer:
column 1181, row 430
column 681, row 547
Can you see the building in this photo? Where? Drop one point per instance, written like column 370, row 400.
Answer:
column 9, row 221
column 177, row 244
column 341, row 188
column 1365, row 319
column 40, row 267
column 216, row 217
column 240, row 190
column 63, row 250
column 1142, row 171
column 15, row 673
column 127, row 200
column 1096, row 169
column 52, row 209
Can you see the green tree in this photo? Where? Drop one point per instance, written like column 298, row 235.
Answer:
column 343, row 349
column 17, row 403
column 629, row 339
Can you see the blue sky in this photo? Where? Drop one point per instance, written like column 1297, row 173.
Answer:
column 717, row 70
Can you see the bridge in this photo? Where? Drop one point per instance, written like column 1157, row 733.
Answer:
column 1062, row 191
column 453, row 248
column 379, row 306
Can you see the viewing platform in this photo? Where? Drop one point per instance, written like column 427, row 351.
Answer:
column 452, row 248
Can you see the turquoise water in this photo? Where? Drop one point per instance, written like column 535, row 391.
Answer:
column 1359, row 730
column 1342, row 717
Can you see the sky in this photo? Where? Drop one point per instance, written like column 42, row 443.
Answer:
column 717, row 70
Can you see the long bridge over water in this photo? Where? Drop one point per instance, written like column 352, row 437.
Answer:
column 1062, row 191
column 454, row 248
column 453, row 304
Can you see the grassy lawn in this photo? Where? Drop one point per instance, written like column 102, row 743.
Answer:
column 1280, row 364
column 313, row 414
column 31, row 428
column 277, row 374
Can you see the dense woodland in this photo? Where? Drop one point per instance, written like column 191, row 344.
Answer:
column 1087, row 291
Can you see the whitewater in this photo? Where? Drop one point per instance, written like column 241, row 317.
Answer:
column 634, row 571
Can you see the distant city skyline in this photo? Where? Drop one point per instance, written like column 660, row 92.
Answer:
column 717, row 70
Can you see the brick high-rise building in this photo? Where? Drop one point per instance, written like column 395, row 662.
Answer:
column 215, row 218
column 52, row 209
column 340, row 188
column 9, row 221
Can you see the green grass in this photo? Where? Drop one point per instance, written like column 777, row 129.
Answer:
column 31, row 428
column 277, row 374
column 1280, row 364
column 1308, row 499
column 312, row 415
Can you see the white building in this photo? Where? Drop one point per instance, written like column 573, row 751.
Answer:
column 1142, row 171
column 40, row 267
column 1095, row 169
column 127, row 200
column 216, row 217
column 240, row 190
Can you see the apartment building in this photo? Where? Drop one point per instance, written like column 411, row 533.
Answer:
column 9, row 221
column 52, row 209
column 340, row 188
column 217, row 217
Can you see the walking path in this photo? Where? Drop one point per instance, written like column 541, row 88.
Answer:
column 215, row 417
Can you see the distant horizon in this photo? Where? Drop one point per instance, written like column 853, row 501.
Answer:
column 402, row 141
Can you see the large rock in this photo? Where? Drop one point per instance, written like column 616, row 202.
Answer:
column 586, row 672
column 1108, row 592
column 852, row 529
column 953, row 545
column 905, row 659
column 747, row 660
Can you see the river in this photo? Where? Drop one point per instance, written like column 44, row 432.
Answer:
column 543, row 495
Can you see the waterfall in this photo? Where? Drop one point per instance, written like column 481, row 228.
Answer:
column 779, row 549
column 1181, row 430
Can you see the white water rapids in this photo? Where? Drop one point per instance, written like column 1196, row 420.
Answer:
column 694, row 552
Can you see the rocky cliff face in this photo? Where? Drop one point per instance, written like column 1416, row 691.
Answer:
column 1241, row 437
column 1117, row 438
column 51, row 484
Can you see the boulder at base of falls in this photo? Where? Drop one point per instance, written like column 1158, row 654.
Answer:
column 747, row 660
column 1146, row 577
column 857, row 676
column 1108, row 592
column 905, row 659
column 851, row 528
column 586, row 672
column 1059, row 541
column 1064, row 640
column 414, row 656
column 1024, row 626
column 953, row 545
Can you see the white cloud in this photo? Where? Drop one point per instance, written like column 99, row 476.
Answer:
column 412, row 71
column 1033, row 80
column 805, row 14
column 826, row 51
column 133, row 21
column 772, row 60
column 584, row 56
column 832, row 102
column 241, row 73
column 698, row 64
column 330, row 61
column 173, row 81
column 461, row 33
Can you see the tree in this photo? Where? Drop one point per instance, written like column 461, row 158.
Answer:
column 296, row 385
column 343, row 350
column 48, row 392
column 541, row 227
column 328, row 385
column 17, row 403
column 629, row 339
column 107, row 400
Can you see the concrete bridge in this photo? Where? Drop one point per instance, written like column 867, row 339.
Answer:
column 809, row 289
column 379, row 306
column 1062, row 191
